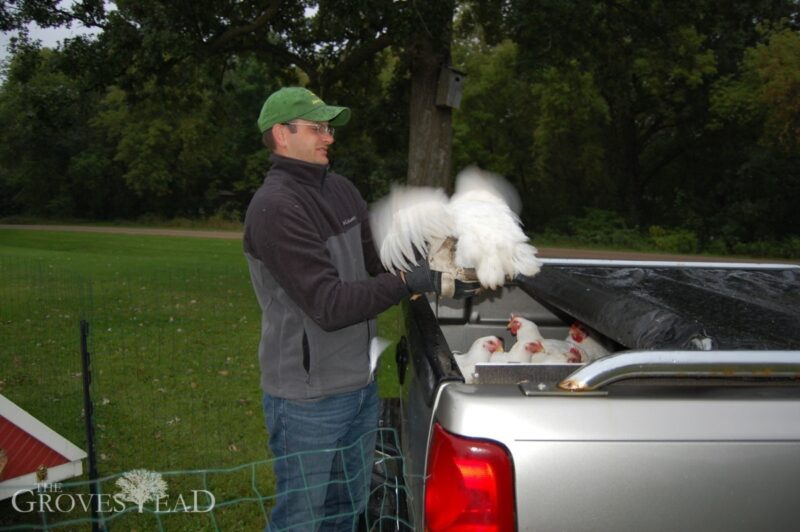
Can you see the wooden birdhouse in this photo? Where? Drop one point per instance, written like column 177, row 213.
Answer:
column 32, row 453
column 451, row 86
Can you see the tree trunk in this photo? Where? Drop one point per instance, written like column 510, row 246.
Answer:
column 431, row 132
column 624, row 158
column 631, row 168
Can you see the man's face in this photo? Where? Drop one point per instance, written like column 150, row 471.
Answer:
column 307, row 143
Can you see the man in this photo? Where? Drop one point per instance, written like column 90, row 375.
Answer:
column 320, row 285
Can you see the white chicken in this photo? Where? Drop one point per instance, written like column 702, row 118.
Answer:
column 479, row 352
column 518, row 354
column 525, row 330
column 479, row 226
column 554, row 352
column 587, row 340
column 542, row 350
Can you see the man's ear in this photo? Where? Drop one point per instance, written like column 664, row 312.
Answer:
column 279, row 132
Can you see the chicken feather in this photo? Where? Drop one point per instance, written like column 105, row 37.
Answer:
column 481, row 216
column 405, row 222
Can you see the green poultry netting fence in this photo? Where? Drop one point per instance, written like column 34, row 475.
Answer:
column 174, row 384
column 235, row 498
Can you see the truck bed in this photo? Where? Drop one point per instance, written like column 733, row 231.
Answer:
column 646, row 306
column 693, row 423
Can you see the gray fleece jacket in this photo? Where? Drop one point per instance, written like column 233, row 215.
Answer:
column 317, row 278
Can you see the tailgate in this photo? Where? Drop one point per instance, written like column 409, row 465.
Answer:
column 641, row 457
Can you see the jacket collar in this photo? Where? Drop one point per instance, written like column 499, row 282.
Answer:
column 303, row 172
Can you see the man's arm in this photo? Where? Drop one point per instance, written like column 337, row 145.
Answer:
column 299, row 260
column 371, row 259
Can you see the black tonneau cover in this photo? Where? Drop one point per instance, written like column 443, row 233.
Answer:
column 681, row 306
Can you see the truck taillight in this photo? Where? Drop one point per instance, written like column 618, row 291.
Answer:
column 469, row 485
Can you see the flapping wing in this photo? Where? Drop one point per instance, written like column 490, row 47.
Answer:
column 490, row 237
column 406, row 221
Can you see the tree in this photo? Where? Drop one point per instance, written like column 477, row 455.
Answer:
column 430, row 125
column 43, row 111
column 653, row 64
column 766, row 93
column 756, row 116
column 775, row 65
column 569, row 153
column 325, row 44
column 494, row 126
column 677, row 114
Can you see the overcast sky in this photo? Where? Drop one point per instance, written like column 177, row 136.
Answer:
column 50, row 37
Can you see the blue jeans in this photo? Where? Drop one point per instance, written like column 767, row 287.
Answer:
column 323, row 451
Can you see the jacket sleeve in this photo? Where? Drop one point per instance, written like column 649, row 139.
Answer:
column 371, row 259
column 287, row 242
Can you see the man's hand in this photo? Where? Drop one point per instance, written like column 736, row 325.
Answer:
column 422, row 278
column 465, row 289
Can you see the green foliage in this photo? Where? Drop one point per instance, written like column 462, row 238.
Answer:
column 674, row 240
column 166, row 139
column 600, row 227
column 41, row 109
column 493, row 127
column 670, row 114
column 735, row 101
column 372, row 149
column 788, row 248
column 777, row 63
column 605, row 229
column 667, row 75
column 767, row 94
column 568, row 141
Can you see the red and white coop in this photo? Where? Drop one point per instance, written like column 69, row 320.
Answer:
column 31, row 453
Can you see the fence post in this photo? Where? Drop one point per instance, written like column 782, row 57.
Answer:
column 89, row 417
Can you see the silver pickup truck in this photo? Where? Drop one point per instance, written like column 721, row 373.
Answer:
column 691, row 423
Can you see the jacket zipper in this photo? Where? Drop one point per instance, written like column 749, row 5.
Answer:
column 306, row 357
column 369, row 344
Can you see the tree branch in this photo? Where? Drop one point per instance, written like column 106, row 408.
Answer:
column 221, row 41
column 284, row 54
column 89, row 22
column 663, row 161
column 356, row 57
column 661, row 125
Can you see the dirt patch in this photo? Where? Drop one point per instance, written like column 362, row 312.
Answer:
column 545, row 252
column 228, row 235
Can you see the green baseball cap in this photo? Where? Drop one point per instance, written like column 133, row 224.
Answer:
column 297, row 102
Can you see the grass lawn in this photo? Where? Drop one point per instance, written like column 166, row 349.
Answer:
column 174, row 333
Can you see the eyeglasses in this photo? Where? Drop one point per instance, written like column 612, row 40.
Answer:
column 321, row 129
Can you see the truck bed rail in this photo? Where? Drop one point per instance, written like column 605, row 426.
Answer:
column 622, row 366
